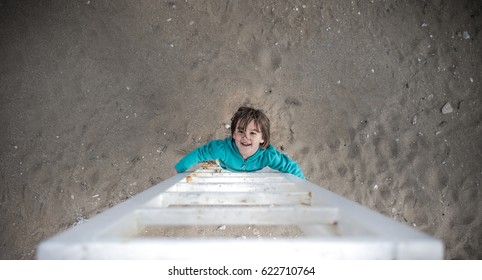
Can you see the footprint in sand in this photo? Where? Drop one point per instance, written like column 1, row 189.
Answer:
column 268, row 59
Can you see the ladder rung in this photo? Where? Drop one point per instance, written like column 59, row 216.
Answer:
column 225, row 249
column 235, row 174
column 230, row 198
column 233, row 179
column 237, row 215
column 233, row 187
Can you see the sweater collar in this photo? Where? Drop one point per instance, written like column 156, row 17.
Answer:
column 235, row 148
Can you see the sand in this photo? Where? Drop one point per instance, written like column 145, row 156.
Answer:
column 378, row 101
column 271, row 232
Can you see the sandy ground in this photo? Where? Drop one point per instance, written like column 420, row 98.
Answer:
column 378, row 100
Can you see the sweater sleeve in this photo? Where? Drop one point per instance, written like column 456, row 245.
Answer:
column 211, row 151
column 283, row 163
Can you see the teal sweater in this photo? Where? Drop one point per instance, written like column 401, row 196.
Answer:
column 229, row 158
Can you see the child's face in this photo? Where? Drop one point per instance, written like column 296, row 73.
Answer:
column 248, row 141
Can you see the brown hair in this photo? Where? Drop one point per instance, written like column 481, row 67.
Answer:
column 245, row 115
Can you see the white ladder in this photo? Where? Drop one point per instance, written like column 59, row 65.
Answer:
column 247, row 216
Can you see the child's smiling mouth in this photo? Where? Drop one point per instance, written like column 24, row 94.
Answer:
column 245, row 144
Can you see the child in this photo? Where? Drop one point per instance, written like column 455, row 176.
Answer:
column 247, row 149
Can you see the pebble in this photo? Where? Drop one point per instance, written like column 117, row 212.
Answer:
column 466, row 35
column 223, row 227
column 414, row 120
column 447, row 108
column 79, row 220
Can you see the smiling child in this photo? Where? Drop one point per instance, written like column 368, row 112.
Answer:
column 247, row 149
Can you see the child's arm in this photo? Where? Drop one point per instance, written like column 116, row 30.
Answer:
column 283, row 163
column 211, row 151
